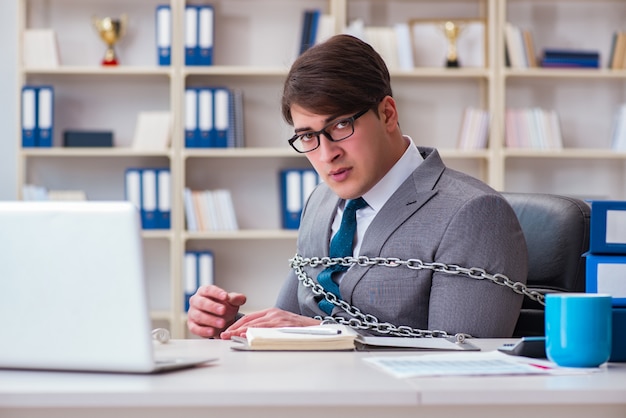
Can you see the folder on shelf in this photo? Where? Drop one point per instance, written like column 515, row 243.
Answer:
column 132, row 187
column 206, row 20
column 164, row 34
column 45, row 116
column 191, row 118
column 205, row 117
column 164, row 198
column 316, row 28
column 191, row 35
column 198, row 271
column 292, row 200
column 148, row 199
column 221, row 117
column 29, row 116
column 310, row 180
column 206, row 272
column 296, row 187
column 190, row 276
column 306, row 30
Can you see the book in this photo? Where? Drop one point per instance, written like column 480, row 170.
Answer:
column 335, row 337
column 570, row 58
column 474, row 129
column 532, row 128
column 514, row 42
column 315, row 338
column 529, row 47
column 618, row 51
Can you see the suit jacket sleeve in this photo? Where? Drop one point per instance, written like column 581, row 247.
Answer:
column 484, row 233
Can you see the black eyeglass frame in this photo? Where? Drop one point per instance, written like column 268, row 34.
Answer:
column 317, row 134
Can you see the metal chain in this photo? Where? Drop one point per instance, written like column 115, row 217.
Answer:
column 363, row 321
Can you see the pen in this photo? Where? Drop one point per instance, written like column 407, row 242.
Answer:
column 311, row 331
column 540, row 366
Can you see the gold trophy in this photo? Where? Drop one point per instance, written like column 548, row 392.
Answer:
column 452, row 30
column 110, row 30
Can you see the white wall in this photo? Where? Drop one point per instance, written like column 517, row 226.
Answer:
column 8, row 112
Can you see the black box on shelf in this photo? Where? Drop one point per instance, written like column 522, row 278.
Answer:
column 88, row 139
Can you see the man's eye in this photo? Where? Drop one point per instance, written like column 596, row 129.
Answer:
column 343, row 124
column 309, row 136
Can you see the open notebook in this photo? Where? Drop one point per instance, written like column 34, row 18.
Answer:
column 72, row 289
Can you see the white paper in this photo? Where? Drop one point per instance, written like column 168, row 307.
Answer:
column 488, row 363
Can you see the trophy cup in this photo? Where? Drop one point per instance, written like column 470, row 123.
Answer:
column 110, row 30
column 452, row 30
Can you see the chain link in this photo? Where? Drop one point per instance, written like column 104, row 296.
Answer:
column 363, row 321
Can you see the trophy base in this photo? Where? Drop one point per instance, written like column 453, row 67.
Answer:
column 110, row 63
column 452, row 64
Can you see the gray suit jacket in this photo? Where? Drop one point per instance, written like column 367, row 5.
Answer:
column 437, row 215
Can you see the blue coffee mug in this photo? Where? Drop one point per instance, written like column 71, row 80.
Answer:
column 578, row 329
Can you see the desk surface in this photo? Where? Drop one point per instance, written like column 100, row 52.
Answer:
column 304, row 384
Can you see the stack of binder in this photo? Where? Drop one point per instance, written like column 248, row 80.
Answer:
column 199, row 33
column 37, row 116
column 150, row 190
column 213, row 117
column 606, row 264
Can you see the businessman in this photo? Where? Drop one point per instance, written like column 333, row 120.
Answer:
column 338, row 98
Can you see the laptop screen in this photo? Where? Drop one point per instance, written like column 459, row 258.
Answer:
column 72, row 288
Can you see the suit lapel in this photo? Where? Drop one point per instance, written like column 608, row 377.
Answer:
column 416, row 190
column 324, row 206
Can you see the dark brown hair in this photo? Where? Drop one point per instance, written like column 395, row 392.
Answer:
column 340, row 75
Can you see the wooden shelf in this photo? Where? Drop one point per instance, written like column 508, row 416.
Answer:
column 431, row 102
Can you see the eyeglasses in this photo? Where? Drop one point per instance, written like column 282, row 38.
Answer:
column 335, row 131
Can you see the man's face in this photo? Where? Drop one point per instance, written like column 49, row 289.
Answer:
column 354, row 165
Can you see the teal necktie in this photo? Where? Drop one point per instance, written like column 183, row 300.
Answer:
column 340, row 246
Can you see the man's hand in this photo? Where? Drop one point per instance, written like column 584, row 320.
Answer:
column 268, row 318
column 212, row 309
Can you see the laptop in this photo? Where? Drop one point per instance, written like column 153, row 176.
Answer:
column 73, row 294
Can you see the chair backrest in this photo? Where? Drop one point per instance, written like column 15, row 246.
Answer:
column 556, row 229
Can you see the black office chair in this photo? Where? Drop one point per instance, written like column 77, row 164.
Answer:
column 556, row 229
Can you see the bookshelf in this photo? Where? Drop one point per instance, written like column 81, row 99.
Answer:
column 431, row 101
column 586, row 100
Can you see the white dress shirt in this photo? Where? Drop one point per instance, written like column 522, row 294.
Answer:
column 378, row 195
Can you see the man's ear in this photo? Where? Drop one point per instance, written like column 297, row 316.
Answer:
column 388, row 111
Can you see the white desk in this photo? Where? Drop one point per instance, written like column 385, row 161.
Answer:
column 312, row 384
